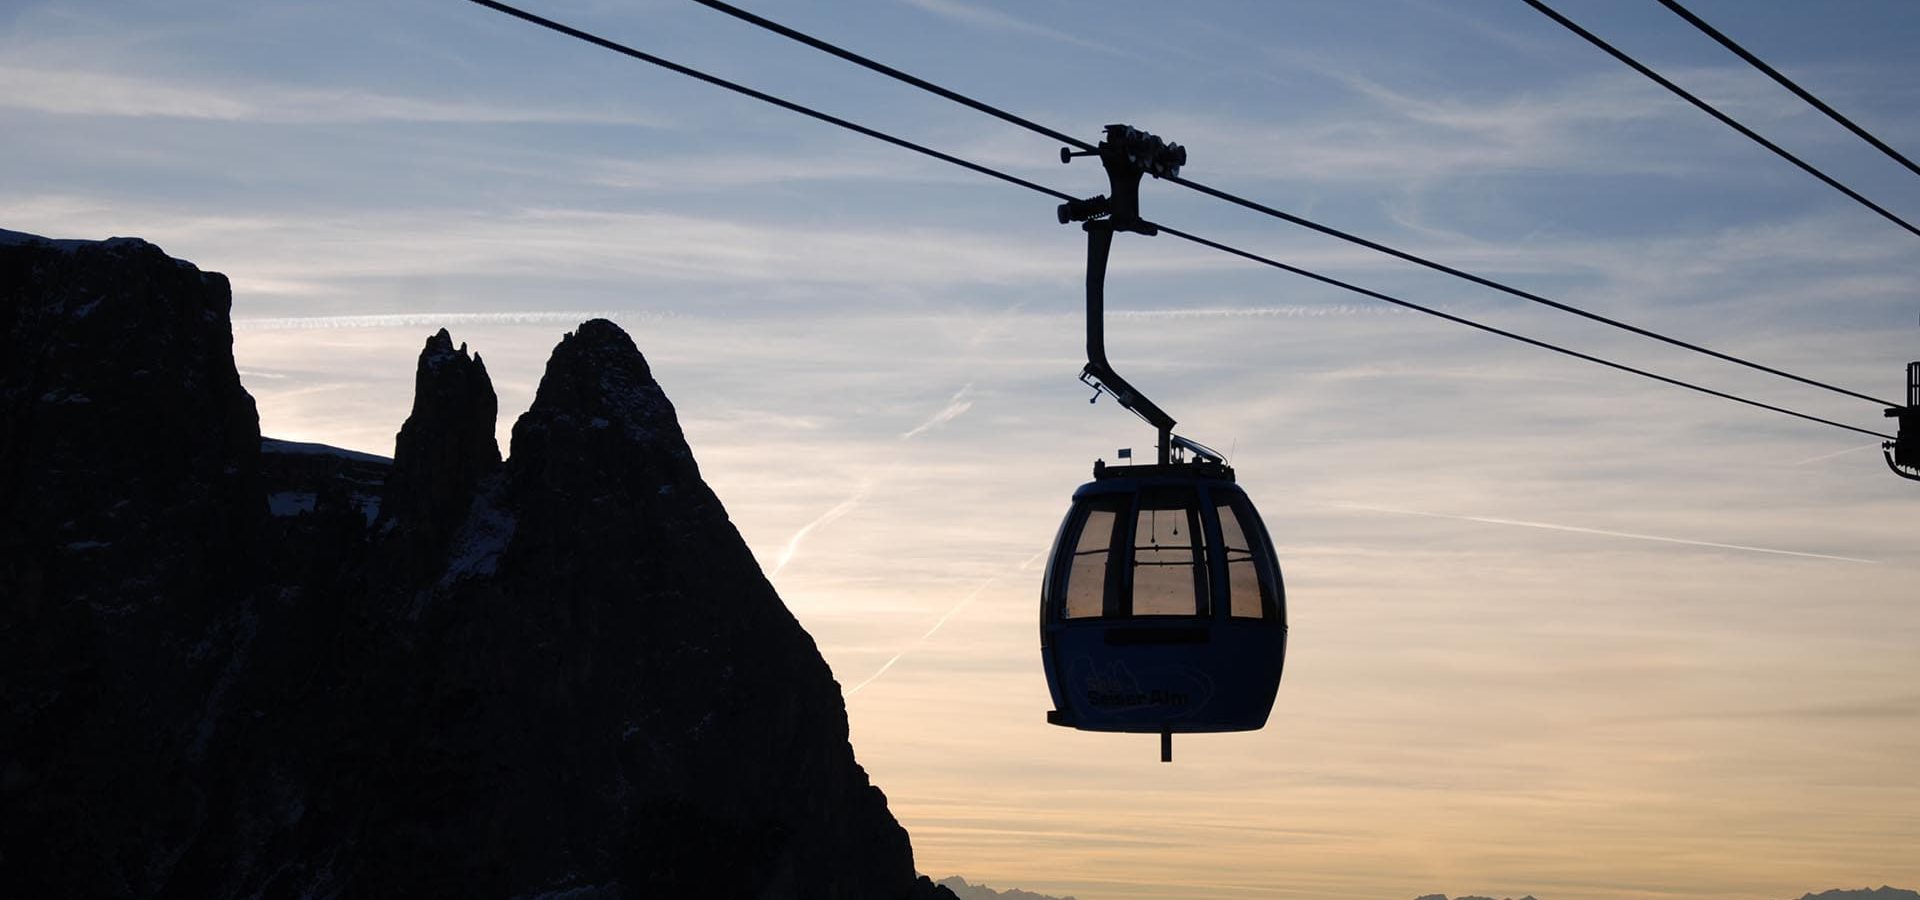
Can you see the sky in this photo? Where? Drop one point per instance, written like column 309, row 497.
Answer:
column 1555, row 629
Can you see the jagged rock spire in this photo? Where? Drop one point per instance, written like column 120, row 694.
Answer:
column 442, row 453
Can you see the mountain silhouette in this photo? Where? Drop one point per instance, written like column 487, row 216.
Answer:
column 964, row 891
column 1880, row 893
column 242, row 668
column 1467, row 897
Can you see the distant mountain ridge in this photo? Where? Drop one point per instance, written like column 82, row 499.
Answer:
column 232, row 670
column 965, row 891
column 1464, row 897
column 1880, row 893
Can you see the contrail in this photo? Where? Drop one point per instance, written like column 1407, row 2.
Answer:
column 969, row 598
column 1835, row 453
column 825, row 518
column 430, row 319
column 1605, row 533
column 976, row 593
column 956, row 405
column 882, row 671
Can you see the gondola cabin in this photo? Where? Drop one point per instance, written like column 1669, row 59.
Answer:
column 1163, row 610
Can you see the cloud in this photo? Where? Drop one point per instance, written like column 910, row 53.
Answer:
column 79, row 92
column 1263, row 312
column 1603, row 532
column 537, row 242
column 1901, row 707
column 1575, row 125
column 993, row 19
column 434, row 319
column 730, row 171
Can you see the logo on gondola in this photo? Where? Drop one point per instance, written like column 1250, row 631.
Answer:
column 1106, row 693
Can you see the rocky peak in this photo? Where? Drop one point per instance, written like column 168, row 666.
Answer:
column 590, row 690
column 601, row 443
column 443, row 452
column 626, row 577
column 598, row 390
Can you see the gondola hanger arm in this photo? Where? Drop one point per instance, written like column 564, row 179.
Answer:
column 1127, row 153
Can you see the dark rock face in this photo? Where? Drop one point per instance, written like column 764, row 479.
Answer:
column 300, row 478
column 130, row 508
column 562, row 675
column 618, row 697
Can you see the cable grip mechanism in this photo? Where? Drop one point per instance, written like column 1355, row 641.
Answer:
column 1127, row 154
